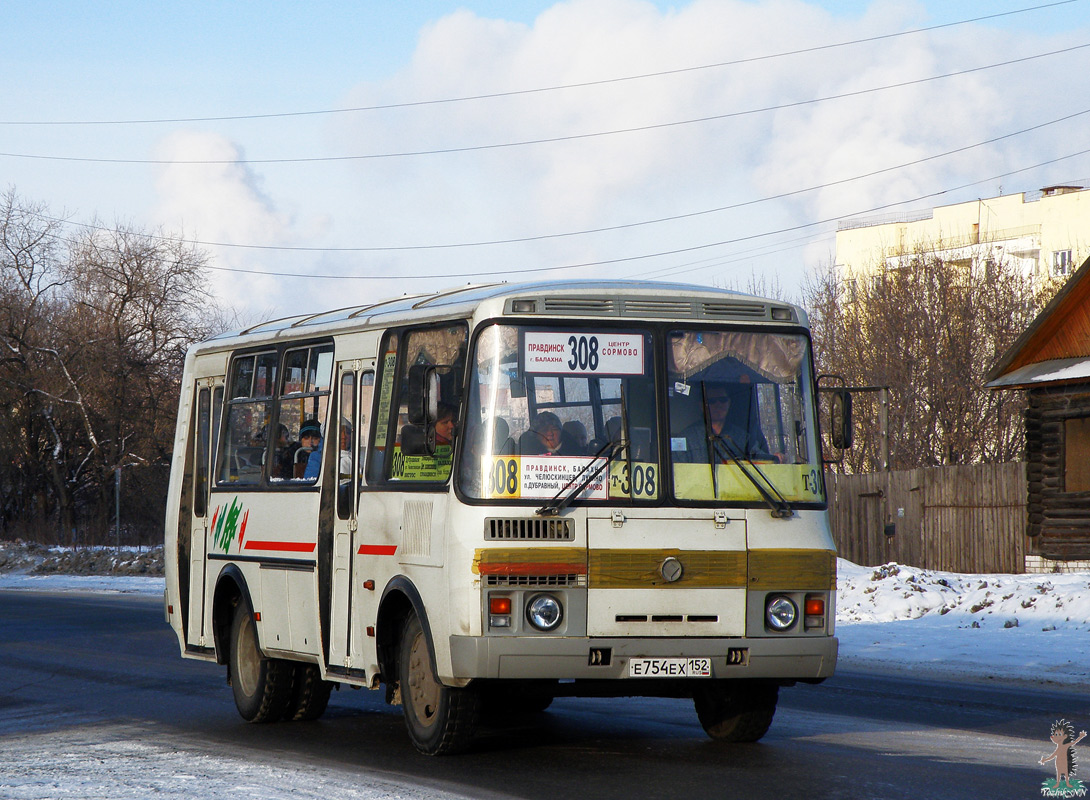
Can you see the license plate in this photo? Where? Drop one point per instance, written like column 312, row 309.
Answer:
column 670, row 668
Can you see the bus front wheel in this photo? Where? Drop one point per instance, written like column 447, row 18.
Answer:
column 440, row 719
column 736, row 711
column 262, row 686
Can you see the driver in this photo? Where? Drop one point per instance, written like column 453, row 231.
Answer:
column 740, row 434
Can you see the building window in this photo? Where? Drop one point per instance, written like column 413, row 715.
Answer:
column 1077, row 454
column 1061, row 262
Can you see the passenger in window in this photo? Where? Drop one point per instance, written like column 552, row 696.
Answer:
column 345, row 469
column 578, row 433
column 308, row 459
column 735, row 433
column 444, row 424
column 284, row 464
column 546, row 437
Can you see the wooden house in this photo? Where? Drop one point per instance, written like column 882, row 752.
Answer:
column 1051, row 361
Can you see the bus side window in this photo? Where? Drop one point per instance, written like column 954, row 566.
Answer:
column 346, row 435
column 367, row 394
column 242, row 451
column 200, row 490
column 387, row 374
column 302, row 404
column 441, row 347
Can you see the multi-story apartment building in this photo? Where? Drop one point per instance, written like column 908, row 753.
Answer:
column 1046, row 233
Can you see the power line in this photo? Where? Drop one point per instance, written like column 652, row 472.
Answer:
column 610, row 228
column 548, row 140
column 676, row 251
column 541, row 89
column 761, row 251
column 630, row 259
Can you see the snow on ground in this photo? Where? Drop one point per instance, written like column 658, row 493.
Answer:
column 113, row 762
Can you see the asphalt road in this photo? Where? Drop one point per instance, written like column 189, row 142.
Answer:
column 79, row 661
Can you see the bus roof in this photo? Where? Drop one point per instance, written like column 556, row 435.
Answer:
column 605, row 298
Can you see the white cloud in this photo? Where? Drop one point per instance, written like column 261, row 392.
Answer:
column 583, row 183
column 225, row 203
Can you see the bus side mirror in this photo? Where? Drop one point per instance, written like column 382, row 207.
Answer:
column 840, row 412
column 417, row 441
column 423, row 394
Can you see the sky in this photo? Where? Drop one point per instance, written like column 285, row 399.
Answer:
column 498, row 141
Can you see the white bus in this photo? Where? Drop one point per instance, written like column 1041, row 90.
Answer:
column 501, row 494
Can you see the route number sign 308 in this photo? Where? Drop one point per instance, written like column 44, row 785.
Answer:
column 584, row 353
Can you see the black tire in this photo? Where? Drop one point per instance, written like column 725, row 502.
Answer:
column 440, row 719
column 309, row 694
column 736, row 711
column 262, row 686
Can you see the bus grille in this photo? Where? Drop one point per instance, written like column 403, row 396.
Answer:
column 579, row 305
column 528, row 529
column 658, row 308
column 724, row 310
column 571, row 579
column 654, row 307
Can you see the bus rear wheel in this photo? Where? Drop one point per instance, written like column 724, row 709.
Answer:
column 736, row 711
column 440, row 719
column 262, row 686
column 309, row 694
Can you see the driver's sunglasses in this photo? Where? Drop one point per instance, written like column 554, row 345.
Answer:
column 713, row 401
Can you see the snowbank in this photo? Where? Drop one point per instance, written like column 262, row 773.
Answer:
column 894, row 592
column 1028, row 628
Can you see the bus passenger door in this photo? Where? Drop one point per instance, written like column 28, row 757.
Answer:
column 209, row 402
column 351, row 433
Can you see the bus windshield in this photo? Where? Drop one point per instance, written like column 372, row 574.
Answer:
column 552, row 408
column 742, row 401
column 544, row 404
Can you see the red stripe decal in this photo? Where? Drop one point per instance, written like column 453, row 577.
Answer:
column 377, row 550
column 283, row 547
column 553, row 568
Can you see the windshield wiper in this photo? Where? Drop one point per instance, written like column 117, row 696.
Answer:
column 582, row 479
column 768, row 491
column 592, row 469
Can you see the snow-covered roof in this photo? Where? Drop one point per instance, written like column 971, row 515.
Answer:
column 1055, row 371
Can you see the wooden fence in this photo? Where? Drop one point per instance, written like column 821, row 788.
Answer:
column 959, row 519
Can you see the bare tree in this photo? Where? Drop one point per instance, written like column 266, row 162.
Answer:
column 93, row 331
column 928, row 328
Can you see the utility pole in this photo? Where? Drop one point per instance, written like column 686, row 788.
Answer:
column 117, row 505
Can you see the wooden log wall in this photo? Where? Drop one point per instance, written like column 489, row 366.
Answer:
column 1058, row 521
column 958, row 519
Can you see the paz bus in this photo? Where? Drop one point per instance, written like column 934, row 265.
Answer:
column 496, row 495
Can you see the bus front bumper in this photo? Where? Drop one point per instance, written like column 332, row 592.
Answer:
column 543, row 657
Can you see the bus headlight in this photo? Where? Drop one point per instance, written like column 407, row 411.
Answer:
column 780, row 613
column 544, row 612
